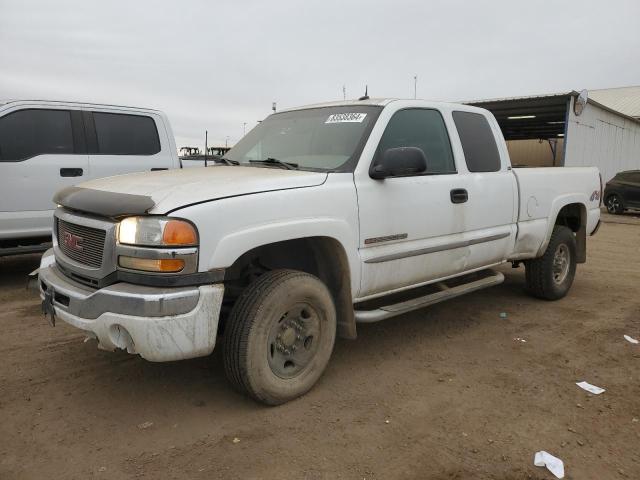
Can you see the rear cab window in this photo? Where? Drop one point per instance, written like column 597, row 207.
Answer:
column 478, row 142
column 123, row 134
column 27, row 133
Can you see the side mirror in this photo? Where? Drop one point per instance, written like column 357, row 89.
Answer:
column 398, row 162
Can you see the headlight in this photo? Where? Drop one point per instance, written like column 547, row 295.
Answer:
column 157, row 245
column 157, row 232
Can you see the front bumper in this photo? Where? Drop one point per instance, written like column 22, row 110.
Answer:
column 160, row 324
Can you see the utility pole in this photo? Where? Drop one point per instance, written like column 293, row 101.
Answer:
column 206, row 146
column 415, row 86
column 226, row 141
column 344, row 92
column 244, row 129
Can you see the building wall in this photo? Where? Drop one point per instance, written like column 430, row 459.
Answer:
column 603, row 139
column 535, row 153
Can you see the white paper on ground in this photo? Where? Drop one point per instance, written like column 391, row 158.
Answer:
column 590, row 388
column 631, row 340
column 553, row 464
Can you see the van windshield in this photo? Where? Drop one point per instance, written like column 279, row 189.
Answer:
column 318, row 139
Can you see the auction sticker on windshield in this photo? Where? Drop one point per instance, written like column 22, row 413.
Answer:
column 346, row 118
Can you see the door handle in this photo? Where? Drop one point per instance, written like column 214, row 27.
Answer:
column 71, row 172
column 158, row 169
column 459, row 195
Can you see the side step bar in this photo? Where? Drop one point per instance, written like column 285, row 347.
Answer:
column 445, row 293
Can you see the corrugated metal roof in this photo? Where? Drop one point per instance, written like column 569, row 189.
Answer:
column 623, row 99
column 525, row 97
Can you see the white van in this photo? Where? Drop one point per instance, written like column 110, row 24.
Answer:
column 48, row 145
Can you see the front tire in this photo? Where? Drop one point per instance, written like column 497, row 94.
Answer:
column 614, row 204
column 550, row 276
column 279, row 336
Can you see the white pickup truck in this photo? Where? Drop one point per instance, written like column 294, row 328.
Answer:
column 48, row 145
column 327, row 215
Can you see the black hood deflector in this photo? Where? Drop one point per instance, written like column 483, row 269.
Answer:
column 102, row 203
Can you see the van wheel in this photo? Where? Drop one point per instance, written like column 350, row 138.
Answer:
column 279, row 336
column 551, row 275
column 614, row 204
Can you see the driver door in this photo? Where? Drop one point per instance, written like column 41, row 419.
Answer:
column 408, row 223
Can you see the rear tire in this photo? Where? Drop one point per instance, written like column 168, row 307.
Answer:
column 279, row 336
column 614, row 204
column 550, row 276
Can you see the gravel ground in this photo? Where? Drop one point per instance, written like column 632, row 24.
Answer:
column 450, row 392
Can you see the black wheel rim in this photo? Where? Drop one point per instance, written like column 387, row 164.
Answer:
column 613, row 204
column 294, row 340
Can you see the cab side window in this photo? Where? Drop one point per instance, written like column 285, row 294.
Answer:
column 424, row 129
column 27, row 133
column 119, row 134
column 478, row 142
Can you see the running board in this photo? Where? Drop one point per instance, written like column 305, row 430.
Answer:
column 445, row 293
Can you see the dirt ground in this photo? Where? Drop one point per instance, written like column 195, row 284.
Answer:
column 449, row 392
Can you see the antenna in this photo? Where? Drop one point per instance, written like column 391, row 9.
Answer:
column 206, row 146
column 366, row 94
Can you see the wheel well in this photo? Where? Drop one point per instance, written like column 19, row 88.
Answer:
column 323, row 257
column 574, row 216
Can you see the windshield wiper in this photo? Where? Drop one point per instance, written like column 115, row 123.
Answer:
column 226, row 161
column 275, row 161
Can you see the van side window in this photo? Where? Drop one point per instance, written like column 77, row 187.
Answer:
column 421, row 128
column 119, row 134
column 478, row 142
column 27, row 133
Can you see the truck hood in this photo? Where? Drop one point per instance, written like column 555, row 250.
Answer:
column 164, row 191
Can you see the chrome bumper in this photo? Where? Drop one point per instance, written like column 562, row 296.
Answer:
column 159, row 324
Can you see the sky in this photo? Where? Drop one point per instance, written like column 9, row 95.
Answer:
column 218, row 65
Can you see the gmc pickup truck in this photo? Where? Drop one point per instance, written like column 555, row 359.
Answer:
column 325, row 216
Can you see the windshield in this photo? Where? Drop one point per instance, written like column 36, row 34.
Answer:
column 323, row 139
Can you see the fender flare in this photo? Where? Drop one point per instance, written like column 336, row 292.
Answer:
column 234, row 245
column 558, row 204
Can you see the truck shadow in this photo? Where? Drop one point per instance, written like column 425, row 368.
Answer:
column 14, row 270
column 202, row 381
column 122, row 379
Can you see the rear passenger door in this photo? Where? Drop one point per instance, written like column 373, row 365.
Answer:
column 121, row 143
column 490, row 210
column 41, row 151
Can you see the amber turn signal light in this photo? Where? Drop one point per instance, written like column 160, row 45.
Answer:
column 178, row 232
column 162, row 265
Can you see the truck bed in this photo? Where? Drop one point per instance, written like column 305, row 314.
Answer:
column 542, row 192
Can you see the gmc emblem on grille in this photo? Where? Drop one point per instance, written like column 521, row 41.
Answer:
column 74, row 242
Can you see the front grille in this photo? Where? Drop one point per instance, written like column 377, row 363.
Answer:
column 83, row 244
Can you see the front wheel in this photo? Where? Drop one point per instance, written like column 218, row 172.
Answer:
column 550, row 276
column 614, row 204
column 279, row 336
